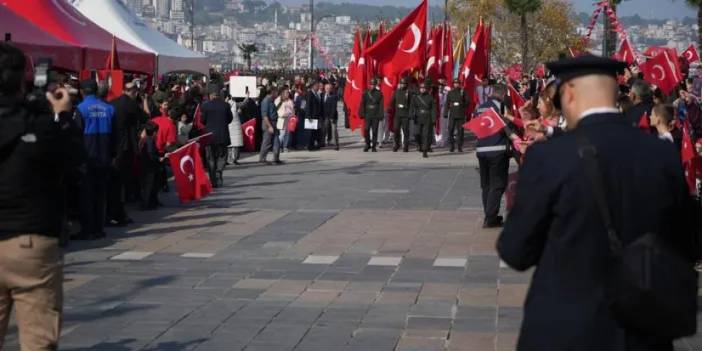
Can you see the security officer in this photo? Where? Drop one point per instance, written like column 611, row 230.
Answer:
column 556, row 225
column 455, row 112
column 493, row 156
column 423, row 110
column 401, row 104
column 371, row 111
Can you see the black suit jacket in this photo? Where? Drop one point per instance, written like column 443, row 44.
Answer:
column 313, row 110
column 216, row 116
column 633, row 114
column 555, row 226
column 329, row 106
column 127, row 117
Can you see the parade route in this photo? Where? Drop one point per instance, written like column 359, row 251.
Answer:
column 332, row 251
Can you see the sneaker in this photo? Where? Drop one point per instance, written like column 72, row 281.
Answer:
column 374, row 150
column 279, row 162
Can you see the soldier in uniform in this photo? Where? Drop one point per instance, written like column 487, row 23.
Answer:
column 423, row 110
column 371, row 112
column 455, row 112
column 401, row 104
column 557, row 225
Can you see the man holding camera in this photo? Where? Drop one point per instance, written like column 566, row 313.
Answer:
column 38, row 144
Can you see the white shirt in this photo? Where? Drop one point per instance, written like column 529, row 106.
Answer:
column 586, row 113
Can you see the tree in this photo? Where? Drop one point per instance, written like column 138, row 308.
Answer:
column 698, row 4
column 610, row 36
column 522, row 8
column 247, row 51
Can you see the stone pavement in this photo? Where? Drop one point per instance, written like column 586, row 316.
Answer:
column 332, row 251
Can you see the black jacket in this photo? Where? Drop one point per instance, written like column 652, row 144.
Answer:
column 35, row 153
column 329, row 106
column 216, row 116
column 127, row 119
column 633, row 114
column 314, row 108
column 555, row 226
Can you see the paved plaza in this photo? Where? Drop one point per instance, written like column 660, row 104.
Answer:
column 332, row 251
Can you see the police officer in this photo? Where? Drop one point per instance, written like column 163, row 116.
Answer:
column 423, row 110
column 455, row 112
column 401, row 105
column 557, row 225
column 493, row 156
column 371, row 111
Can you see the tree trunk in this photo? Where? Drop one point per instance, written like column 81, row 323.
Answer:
column 611, row 36
column 248, row 62
column 525, row 43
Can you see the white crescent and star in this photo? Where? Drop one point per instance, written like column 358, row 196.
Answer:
column 430, row 62
column 249, row 131
column 659, row 68
column 185, row 160
column 485, row 120
column 353, row 85
column 688, row 55
column 387, row 82
column 417, row 36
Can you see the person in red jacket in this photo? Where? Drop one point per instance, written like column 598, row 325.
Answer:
column 167, row 134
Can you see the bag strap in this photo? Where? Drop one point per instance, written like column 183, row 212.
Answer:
column 588, row 153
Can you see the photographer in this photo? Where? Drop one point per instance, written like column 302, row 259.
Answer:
column 38, row 144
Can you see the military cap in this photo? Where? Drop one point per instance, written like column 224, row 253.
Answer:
column 571, row 68
column 374, row 81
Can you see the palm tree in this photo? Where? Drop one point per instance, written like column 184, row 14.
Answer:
column 247, row 51
column 522, row 8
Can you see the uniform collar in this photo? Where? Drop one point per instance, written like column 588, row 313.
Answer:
column 599, row 111
column 601, row 115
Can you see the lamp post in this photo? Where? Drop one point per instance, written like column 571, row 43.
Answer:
column 192, row 25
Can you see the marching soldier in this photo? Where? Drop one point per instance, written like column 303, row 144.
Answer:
column 455, row 112
column 401, row 104
column 423, row 110
column 371, row 112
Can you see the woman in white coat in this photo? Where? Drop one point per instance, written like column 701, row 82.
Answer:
column 235, row 136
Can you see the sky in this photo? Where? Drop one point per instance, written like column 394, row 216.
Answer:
column 658, row 9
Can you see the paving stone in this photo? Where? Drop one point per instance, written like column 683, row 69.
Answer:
column 431, row 323
column 450, row 262
column 132, row 255
column 374, row 339
column 420, row 344
column 312, row 259
column 197, row 255
column 384, row 261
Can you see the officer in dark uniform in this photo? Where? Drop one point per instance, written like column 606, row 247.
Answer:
column 423, row 110
column 455, row 112
column 556, row 225
column 493, row 157
column 401, row 104
column 371, row 112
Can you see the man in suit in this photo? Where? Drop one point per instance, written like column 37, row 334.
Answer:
column 555, row 223
column 313, row 109
column 641, row 96
column 371, row 112
column 216, row 116
column 400, row 104
column 455, row 112
column 330, row 114
column 423, row 110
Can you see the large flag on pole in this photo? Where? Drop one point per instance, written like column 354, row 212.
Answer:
column 626, row 52
column 434, row 55
column 189, row 174
column 662, row 71
column 356, row 83
column 475, row 64
column 448, row 60
column 403, row 48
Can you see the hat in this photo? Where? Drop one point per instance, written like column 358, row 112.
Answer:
column 88, row 84
column 585, row 65
column 374, row 81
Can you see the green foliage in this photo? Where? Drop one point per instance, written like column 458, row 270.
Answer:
column 523, row 7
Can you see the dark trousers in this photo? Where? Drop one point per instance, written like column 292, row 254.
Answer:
column 314, row 140
column 270, row 141
column 368, row 125
column 216, row 155
column 149, row 180
column 118, row 179
column 93, row 196
column 331, row 131
column 426, row 134
column 493, row 181
column 455, row 125
column 401, row 126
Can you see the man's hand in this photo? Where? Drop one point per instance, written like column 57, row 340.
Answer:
column 270, row 130
column 535, row 125
column 60, row 100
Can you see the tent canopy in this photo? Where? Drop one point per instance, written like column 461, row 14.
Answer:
column 61, row 20
column 115, row 18
column 38, row 44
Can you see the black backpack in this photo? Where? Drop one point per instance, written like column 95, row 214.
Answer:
column 652, row 285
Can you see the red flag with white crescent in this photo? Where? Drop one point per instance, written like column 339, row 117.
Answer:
column 248, row 131
column 691, row 54
column 687, row 154
column 486, row 124
column 434, row 58
column 403, row 48
column 189, row 174
column 662, row 71
column 356, row 82
column 475, row 64
column 447, row 62
column 516, row 99
column 626, row 52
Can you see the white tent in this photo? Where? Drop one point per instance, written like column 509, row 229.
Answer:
column 116, row 18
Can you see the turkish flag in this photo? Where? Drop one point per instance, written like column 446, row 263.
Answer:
column 475, row 64
column 662, row 71
column 369, row 62
column 653, row 51
column 112, row 62
column 687, row 154
column 387, row 87
column 248, row 131
column 403, row 48
column 356, row 80
column 486, row 124
column 434, row 55
column 540, row 71
column 447, row 62
column 189, row 174
column 626, row 52
column 691, row 54
column 644, row 123
column 516, row 99
column 514, row 72
column 197, row 118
